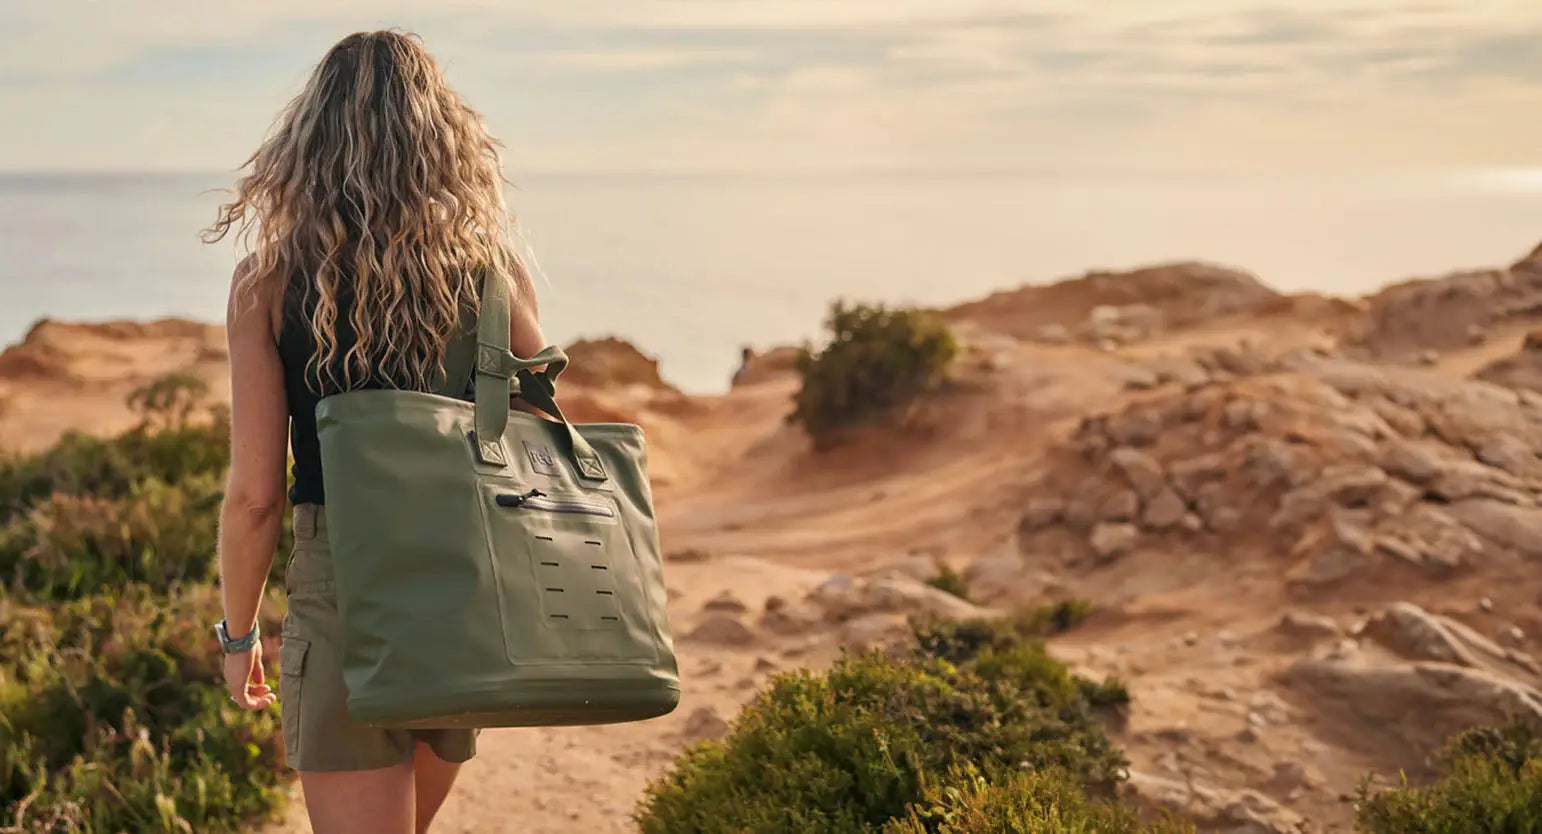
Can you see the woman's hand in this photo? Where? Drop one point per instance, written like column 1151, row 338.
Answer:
column 244, row 679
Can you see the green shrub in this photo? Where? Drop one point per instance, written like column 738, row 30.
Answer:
column 90, row 514
column 878, row 361
column 961, row 641
column 850, row 749
column 1492, row 785
column 1024, row 803
column 949, row 581
column 108, row 468
column 113, row 717
column 67, row 546
column 168, row 401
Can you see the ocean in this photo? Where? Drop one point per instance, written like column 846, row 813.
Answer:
column 691, row 267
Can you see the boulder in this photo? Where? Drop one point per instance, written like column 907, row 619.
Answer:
column 843, row 597
column 1507, row 525
column 1413, row 706
column 1214, row 809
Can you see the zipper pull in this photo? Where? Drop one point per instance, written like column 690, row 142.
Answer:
column 506, row 499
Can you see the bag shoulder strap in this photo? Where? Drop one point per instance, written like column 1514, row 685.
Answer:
column 460, row 359
column 496, row 366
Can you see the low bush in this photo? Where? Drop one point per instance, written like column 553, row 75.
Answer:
column 878, row 360
column 949, row 580
column 962, row 641
column 67, row 546
column 1024, row 803
column 1492, row 785
column 113, row 717
column 108, row 468
column 851, row 749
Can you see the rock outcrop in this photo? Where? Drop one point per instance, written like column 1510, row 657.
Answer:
column 1521, row 370
column 1333, row 466
column 611, row 363
column 1118, row 307
column 1404, row 320
column 1414, row 678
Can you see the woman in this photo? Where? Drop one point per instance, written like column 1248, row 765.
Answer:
column 370, row 211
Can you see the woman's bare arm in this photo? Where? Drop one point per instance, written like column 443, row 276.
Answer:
column 251, row 518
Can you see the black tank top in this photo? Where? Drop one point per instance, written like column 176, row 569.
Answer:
column 296, row 346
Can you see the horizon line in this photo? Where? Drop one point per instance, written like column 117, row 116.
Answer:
column 1488, row 172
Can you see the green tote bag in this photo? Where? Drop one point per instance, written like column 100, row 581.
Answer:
column 493, row 568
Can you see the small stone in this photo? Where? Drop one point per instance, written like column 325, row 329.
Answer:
column 1190, row 638
column 722, row 630
column 1412, row 461
column 1256, row 720
column 1486, row 604
column 1165, row 510
column 725, row 601
column 775, row 603
column 1054, row 334
column 1507, row 452
column 1343, row 648
column 764, row 664
column 1120, row 506
column 1429, row 357
column 1309, row 626
column 1288, row 777
column 1136, row 427
column 796, row 651
column 1137, row 378
column 1226, row 638
column 1110, row 541
column 705, row 723
column 1042, row 511
column 1193, row 523
column 1142, row 471
column 1227, row 694
column 1514, row 635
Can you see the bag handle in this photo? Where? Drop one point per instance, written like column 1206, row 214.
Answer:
column 496, row 366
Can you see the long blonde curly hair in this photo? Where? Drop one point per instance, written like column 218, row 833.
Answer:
column 379, row 185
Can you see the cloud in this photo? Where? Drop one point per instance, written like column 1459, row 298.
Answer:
column 608, row 84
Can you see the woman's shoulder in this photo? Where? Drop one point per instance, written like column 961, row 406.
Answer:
column 257, row 291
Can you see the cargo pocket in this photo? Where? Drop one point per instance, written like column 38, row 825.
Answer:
column 291, row 673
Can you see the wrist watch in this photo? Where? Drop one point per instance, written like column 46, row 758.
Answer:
column 239, row 644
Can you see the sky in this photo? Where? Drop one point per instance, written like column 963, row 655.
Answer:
column 812, row 85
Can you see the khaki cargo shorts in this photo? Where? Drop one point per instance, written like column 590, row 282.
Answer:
column 312, row 696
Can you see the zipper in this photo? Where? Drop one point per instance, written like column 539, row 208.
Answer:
column 538, row 500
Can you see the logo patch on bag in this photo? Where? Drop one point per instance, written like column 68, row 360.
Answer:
column 541, row 458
